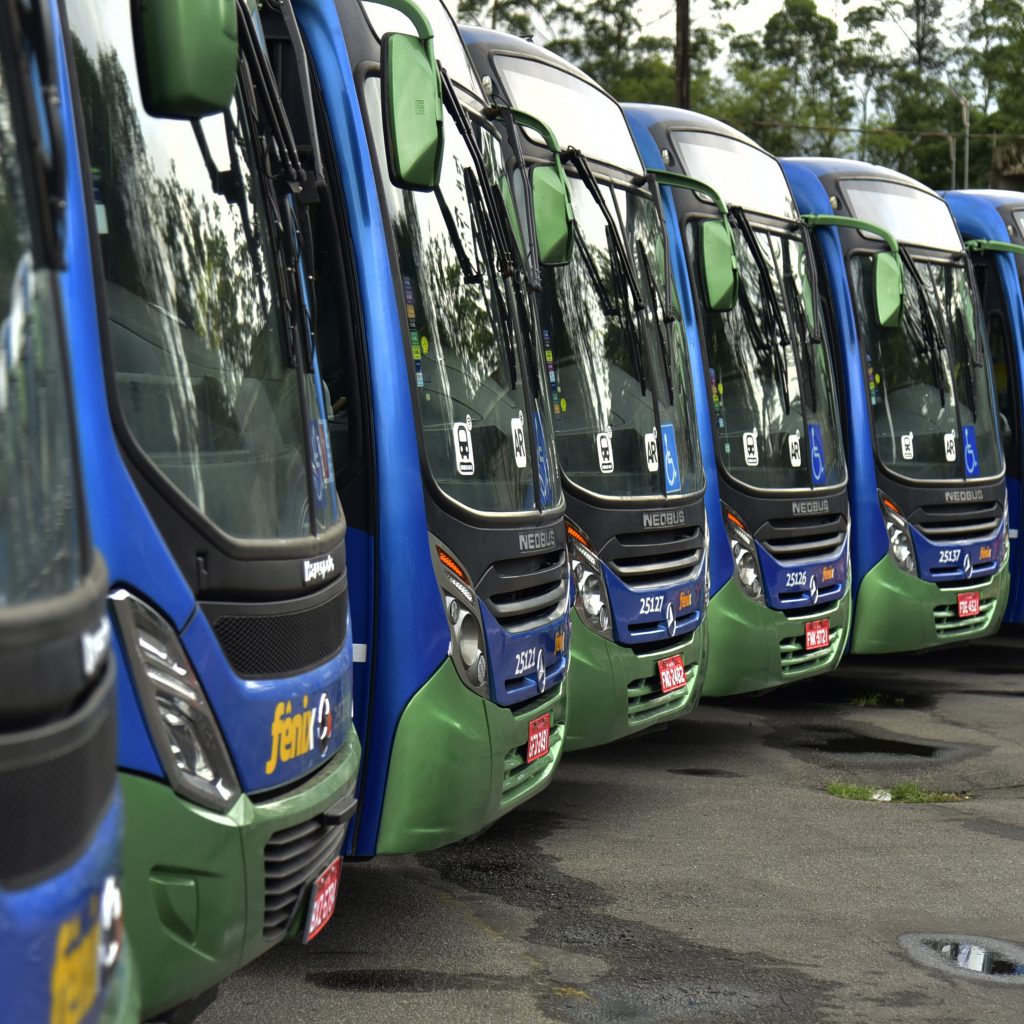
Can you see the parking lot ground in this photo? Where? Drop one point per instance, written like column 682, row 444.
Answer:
column 703, row 873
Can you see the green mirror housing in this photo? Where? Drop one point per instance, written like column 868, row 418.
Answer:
column 719, row 269
column 187, row 55
column 413, row 113
column 553, row 217
column 888, row 289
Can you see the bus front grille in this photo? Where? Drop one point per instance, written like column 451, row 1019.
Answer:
column 264, row 641
column 527, row 593
column 656, row 558
column 946, row 524
column 803, row 538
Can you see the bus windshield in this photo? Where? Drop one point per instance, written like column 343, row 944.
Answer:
column 41, row 549
column 483, row 427
column 209, row 378
column 929, row 380
column 773, row 400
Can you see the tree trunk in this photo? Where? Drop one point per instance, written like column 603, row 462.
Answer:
column 683, row 53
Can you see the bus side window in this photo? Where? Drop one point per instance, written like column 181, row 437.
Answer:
column 993, row 304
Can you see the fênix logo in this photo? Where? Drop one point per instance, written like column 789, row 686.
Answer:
column 314, row 569
column 296, row 732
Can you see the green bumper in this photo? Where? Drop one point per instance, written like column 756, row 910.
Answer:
column 194, row 879
column 752, row 647
column 121, row 1003
column 614, row 692
column 899, row 612
column 459, row 763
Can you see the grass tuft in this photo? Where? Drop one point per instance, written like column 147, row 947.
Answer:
column 867, row 700
column 898, row 793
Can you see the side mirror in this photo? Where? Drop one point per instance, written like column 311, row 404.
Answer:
column 413, row 113
column 719, row 269
column 888, row 289
column 187, row 56
column 553, row 217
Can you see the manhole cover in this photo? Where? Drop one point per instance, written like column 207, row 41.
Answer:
column 968, row 955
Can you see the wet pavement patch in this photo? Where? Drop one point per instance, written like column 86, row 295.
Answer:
column 845, row 745
column 709, row 773
column 641, row 973
column 407, row 981
column 992, row 693
column 968, row 956
column 860, row 743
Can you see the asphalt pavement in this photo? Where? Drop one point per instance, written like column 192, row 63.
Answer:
column 703, row 874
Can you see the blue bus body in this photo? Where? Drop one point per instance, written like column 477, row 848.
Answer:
column 992, row 215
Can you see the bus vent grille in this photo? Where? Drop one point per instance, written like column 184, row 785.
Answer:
column 949, row 626
column 798, row 661
column 527, row 593
column 656, row 558
column 944, row 524
column 647, row 701
column 56, row 788
column 803, row 538
column 292, row 858
column 280, row 645
column 521, row 777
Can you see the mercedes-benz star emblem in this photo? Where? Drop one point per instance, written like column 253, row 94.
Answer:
column 670, row 619
column 542, row 672
column 968, row 568
column 814, row 590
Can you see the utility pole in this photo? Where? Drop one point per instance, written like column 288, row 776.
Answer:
column 683, row 53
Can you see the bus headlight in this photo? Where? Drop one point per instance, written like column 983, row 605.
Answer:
column 901, row 547
column 185, row 733
column 744, row 559
column 462, row 609
column 592, row 601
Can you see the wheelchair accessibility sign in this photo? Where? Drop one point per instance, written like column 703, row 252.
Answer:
column 972, row 466
column 670, row 460
column 816, row 443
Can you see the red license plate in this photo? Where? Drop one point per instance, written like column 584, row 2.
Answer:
column 671, row 673
column 539, row 742
column 816, row 635
column 968, row 605
column 323, row 899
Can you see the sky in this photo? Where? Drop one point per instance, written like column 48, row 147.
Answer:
column 659, row 16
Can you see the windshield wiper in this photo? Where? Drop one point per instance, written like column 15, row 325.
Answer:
column 935, row 344
column 777, row 334
column 663, row 342
column 622, row 268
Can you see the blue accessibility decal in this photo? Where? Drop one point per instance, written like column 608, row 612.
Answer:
column 972, row 466
column 670, row 460
column 543, row 464
column 817, row 445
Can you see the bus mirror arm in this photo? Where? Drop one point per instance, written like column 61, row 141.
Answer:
column 719, row 266
column 551, row 217
column 888, row 282
column 411, row 102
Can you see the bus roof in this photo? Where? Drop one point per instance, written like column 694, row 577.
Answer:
column 657, row 119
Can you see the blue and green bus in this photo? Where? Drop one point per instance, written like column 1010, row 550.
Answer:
column 206, row 464
column 618, row 384
column 440, row 427
column 777, row 497
column 928, row 491
column 63, row 953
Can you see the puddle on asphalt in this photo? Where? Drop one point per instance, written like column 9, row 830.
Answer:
column 993, row 693
column 852, row 743
column 710, row 773
column 968, row 955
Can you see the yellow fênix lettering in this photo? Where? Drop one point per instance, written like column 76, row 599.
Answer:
column 74, row 982
column 291, row 735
